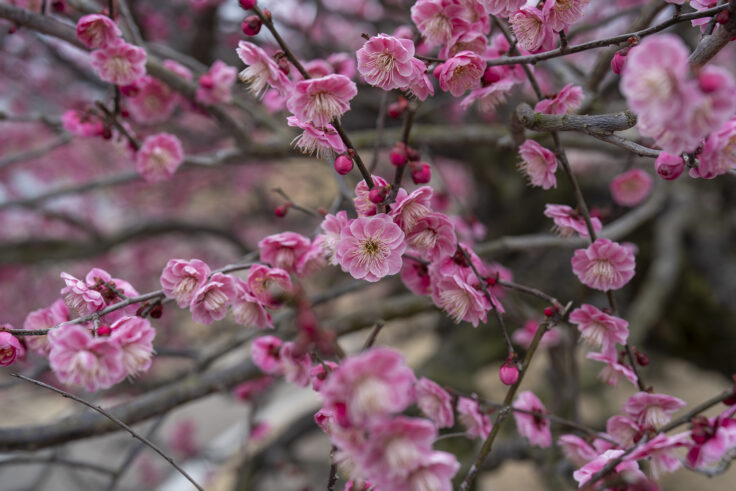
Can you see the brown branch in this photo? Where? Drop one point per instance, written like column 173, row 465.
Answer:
column 603, row 123
column 54, row 460
column 709, row 46
column 36, row 152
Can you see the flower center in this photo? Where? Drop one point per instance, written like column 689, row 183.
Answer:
column 603, row 269
column 215, row 300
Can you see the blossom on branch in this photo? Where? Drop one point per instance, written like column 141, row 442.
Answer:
column 120, row 63
column 604, row 265
column 371, row 247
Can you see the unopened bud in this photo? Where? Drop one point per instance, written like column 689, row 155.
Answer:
column 343, row 164
column 377, row 194
column 251, row 25
column 282, row 210
column 509, row 374
column 421, row 173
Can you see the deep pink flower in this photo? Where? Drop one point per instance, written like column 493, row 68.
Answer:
column 420, row 85
column 461, row 296
column 332, row 227
column 322, row 142
column 538, row 164
column 320, row 100
column 714, row 103
column 623, row 430
column 469, row 414
column 669, row 167
column 216, row 85
column 82, row 123
column 269, row 285
column 474, row 41
column 503, row 8
column 584, row 474
column 283, row 250
column 415, row 276
column 135, row 336
column 79, row 297
column 561, row 14
column 261, row 71
column 318, row 374
column 387, row 62
column 600, row 329
column 407, row 210
column 508, row 373
column 534, row 428
column 652, row 409
column 296, row 366
column 211, row 301
column 77, row 357
column 11, row 348
column 434, row 402
column 266, row 354
column 631, row 187
column 660, row 451
column 524, row 336
column 97, row 31
column 719, row 153
column 313, row 260
column 532, row 29
column 159, row 157
column 604, row 265
column 438, row 20
column 368, row 386
column 712, row 439
column 44, row 319
column 371, row 247
column 247, row 310
column 98, row 280
column 568, row 100
column 153, row 103
column 119, row 63
column 460, row 73
column 569, row 221
column 433, row 236
column 180, row 279
column 614, row 370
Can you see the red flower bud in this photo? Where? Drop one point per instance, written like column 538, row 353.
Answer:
column 343, row 165
column 398, row 154
column 104, row 330
column 377, row 194
column 282, row 210
column 247, row 4
column 251, row 25
column 421, row 173
column 550, row 311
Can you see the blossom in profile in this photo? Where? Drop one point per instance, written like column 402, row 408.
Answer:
column 296, row 366
column 79, row 297
column 320, row 100
column 44, row 319
column 268, row 285
column 503, row 8
column 604, row 265
column 628, row 467
column 247, row 310
column 613, row 370
column 490, row 96
column 567, row 100
column 631, row 188
column 532, row 29
column 652, row 409
column 712, row 439
column 660, row 452
column 211, row 301
column 460, row 73
column 135, row 336
column 432, row 236
column 438, row 20
column 568, row 222
column 538, row 164
column 322, row 142
column 371, row 247
column 577, row 450
column 387, row 62
column 415, row 276
column 534, row 427
column 407, row 210
column 11, row 348
column 434, row 402
column 266, row 354
column 623, row 430
column 76, row 357
column 599, row 329
column 216, row 85
column 470, row 416
column 718, row 155
column 159, row 157
column 283, row 250
column 261, row 72
column 181, row 278
column 332, row 226
column 97, row 31
column 461, row 296
column 119, row 63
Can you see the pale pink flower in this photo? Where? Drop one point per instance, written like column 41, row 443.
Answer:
column 153, row 103
column 604, row 265
column 538, row 164
column 97, row 31
column 415, row 276
column 318, row 374
column 561, row 14
column 434, row 402
column 718, row 155
column 438, row 20
column 180, row 279
column 332, row 227
column 461, row 296
column 283, row 250
column 368, row 386
column 535, row 428
column 465, row 41
column 81, row 123
column 216, row 85
column 371, row 247
column 409, row 209
column 652, row 409
column 247, row 310
column 76, row 357
column 159, row 157
column 296, row 366
column 266, row 354
column 600, row 329
column 11, row 348
column 79, row 297
column 568, row 221
column 660, row 451
column 313, row 260
column 470, row 416
column 261, row 71
column 343, row 64
column 120, row 63
column 252, row 388
column 568, row 100
column 490, row 96
column 420, row 85
column 44, row 319
column 584, row 474
column 269, row 285
column 460, row 73
column 211, row 301
column 320, row 100
column 100, row 281
column 712, row 439
column 713, row 97
column 503, row 8
column 524, row 336
column 179, row 69
column 135, row 336
column 432, row 236
column 577, row 450
column 387, row 62
column 322, row 142
column 435, row 473
column 623, row 430
column 631, row 187
column 614, row 370
column 532, row 29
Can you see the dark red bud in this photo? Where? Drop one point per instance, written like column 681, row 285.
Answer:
column 251, row 25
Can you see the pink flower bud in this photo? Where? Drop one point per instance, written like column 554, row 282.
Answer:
column 618, row 61
column 377, row 195
column 247, row 4
column 343, row 164
column 710, row 81
column 206, row 81
column 421, row 173
column 549, row 311
column 395, row 110
column 508, row 374
column 411, row 154
column 251, row 25
column 398, row 154
column 668, row 166
column 282, row 210
column 104, row 330
column 491, row 76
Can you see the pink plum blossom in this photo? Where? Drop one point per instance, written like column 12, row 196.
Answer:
column 465, row 41
column 524, row 336
column 461, row 296
column 436, row 471
column 283, row 250
column 623, row 430
column 119, row 63
column 153, row 103
column 296, row 366
column 97, row 31
column 44, row 319
column 469, row 414
column 180, row 279
column 320, row 100
column 460, row 73
column 79, row 297
column 577, row 450
column 216, row 85
column 584, row 474
column 631, row 187
column 652, row 409
column 76, row 357
column 266, row 354
column 387, row 62
column 432, row 236
column 669, row 167
column 614, row 369
column 567, row 100
column 81, row 123
column 434, row 402
column 252, row 388
column 415, row 276
column 159, row 157
column 438, row 20
column 604, row 265
column 332, row 226
column 211, row 301
column 660, row 451
column 532, row 29
column 533, row 427
column 600, row 329
column 371, row 247
column 711, row 439
column 247, row 310
column 313, row 260
column 490, row 96
column 368, row 386
column 409, row 209
column 503, row 8
column 318, row 374
column 268, row 285
column 11, row 348
column 322, row 142
column 261, row 71
column 135, row 336
column 561, row 14
column 719, row 153
column 538, row 164
column 568, row 221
